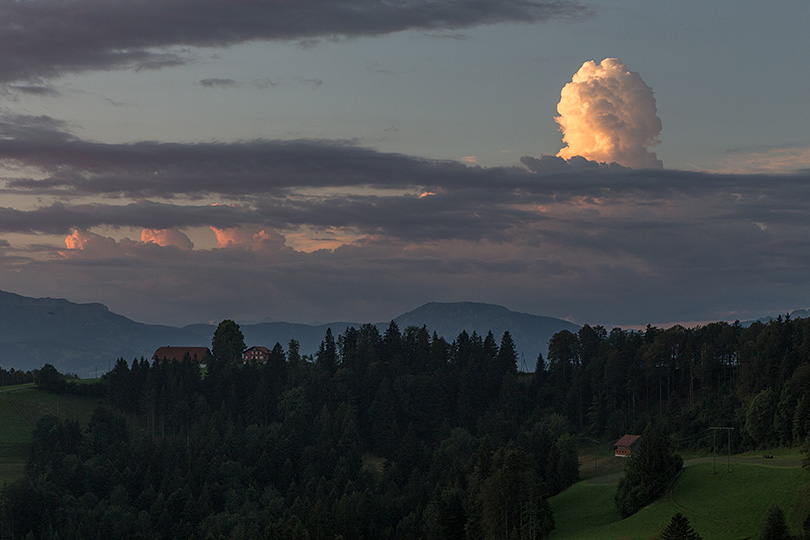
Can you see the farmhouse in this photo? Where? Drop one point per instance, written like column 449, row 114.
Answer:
column 624, row 447
column 179, row 354
column 256, row 354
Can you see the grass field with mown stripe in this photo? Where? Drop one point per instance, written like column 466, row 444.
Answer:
column 21, row 406
column 722, row 506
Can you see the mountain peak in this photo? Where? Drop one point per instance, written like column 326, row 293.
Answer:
column 448, row 319
column 459, row 306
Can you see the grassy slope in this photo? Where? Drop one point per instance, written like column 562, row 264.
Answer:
column 719, row 506
column 20, row 408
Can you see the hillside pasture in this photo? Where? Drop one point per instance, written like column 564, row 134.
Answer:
column 722, row 506
column 21, row 406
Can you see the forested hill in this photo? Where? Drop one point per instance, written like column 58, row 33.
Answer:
column 384, row 436
column 397, row 434
column 86, row 339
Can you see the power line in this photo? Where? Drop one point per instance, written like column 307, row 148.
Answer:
column 689, row 439
column 714, row 446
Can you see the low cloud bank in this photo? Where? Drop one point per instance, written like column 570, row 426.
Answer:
column 573, row 238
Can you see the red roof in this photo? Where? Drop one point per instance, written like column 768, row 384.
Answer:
column 197, row 354
column 628, row 441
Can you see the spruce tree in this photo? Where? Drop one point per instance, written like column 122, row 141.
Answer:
column 679, row 529
column 327, row 357
column 507, row 354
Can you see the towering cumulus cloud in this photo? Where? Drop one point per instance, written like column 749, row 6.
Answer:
column 607, row 114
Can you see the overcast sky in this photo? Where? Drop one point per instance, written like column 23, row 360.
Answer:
column 614, row 162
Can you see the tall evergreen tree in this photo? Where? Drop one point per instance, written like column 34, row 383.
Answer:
column 327, row 356
column 293, row 351
column 228, row 341
column 507, row 355
column 276, row 365
column 679, row 529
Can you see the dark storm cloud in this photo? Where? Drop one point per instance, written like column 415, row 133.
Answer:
column 408, row 217
column 60, row 218
column 66, row 165
column 71, row 165
column 400, row 216
column 46, row 38
column 335, row 184
column 671, row 244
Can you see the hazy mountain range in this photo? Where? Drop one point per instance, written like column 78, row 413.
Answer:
column 87, row 338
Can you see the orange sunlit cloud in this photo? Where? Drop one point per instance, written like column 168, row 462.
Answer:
column 77, row 240
column 85, row 241
column 249, row 238
column 608, row 114
column 167, row 237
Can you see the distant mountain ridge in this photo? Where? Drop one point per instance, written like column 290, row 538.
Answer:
column 529, row 332
column 795, row 314
column 87, row 338
column 77, row 338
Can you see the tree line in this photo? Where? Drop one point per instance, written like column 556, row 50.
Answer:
column 755, row 379
column 13, row 376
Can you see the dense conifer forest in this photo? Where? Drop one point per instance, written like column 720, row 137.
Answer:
column 14, row 376
column 396, row 435
column 755, row 379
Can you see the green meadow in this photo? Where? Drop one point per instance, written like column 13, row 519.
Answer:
column 723, row 506
column 20, row 408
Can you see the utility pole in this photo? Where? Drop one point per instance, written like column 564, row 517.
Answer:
column 596, row 456
column 714, row 440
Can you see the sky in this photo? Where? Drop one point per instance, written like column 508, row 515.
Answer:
column 613, row 162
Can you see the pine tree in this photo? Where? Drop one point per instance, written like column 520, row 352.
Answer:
column 507, row 355
column 679, row 529
column 327, row 357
